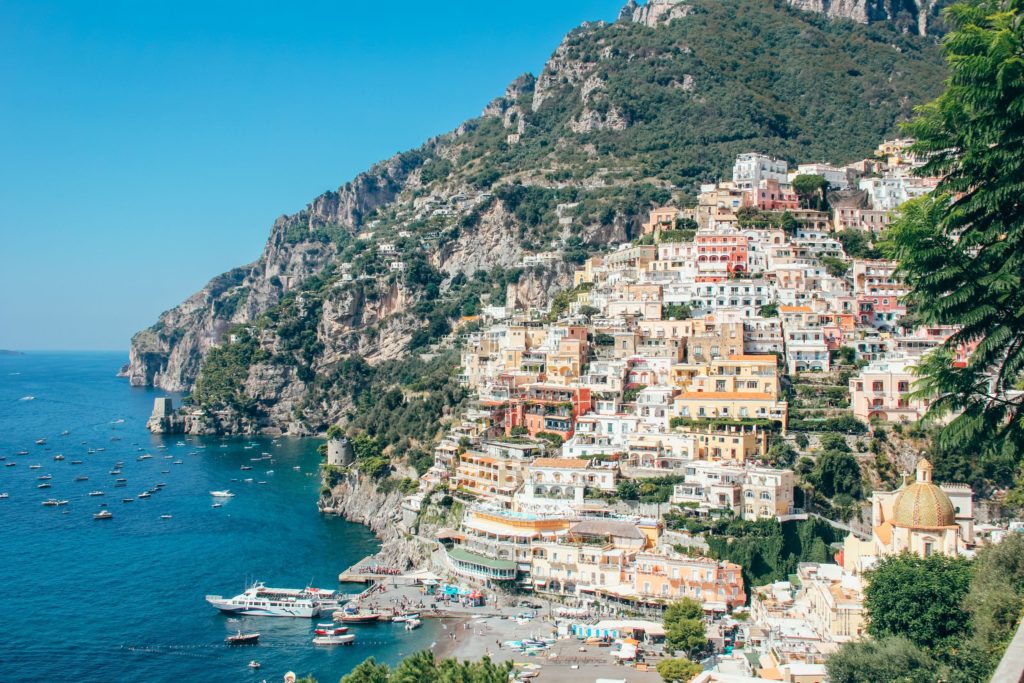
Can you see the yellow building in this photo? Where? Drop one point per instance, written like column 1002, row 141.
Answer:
column 490, row 477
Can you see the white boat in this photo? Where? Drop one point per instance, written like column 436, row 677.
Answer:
column 260, row 601
column 412, row 623
column 34, row 467
column 103, row 514
column 165, row 516
column 343, row 639
column 4, row 494
column 254, row 664
column 96, row 493
column 144, row 494
column 222, row 494
column 216, row 505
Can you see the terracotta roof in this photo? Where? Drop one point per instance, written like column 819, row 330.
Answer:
column 570, row 463
column 794, row 309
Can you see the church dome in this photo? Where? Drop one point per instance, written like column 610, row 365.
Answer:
column 923, row 505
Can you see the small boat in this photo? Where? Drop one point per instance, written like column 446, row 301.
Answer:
column 412, row 623
column 144, row 456
column 81, row 477
column 144, row 494
column 160, row 484
column 344, row 639
column 127, row 500
column 248, row 481
column 222, row 494
column 165, row 516
column 76, row 462
column 404, row 617
column 120, row 484
column 261, row 482
column 34, row 467
column 242, row 639
column 46, row 477
column 96, row 493
column 329, row 630
column 168, row 457
column 245, row 467
column 100, row 449
column 44, row 485
column 115, row 471
column 357, row 618
column 216, row 505
column 178, row 462
column 65, row 433
column 165, row 471
column 297, row 468
column 254, row 664
column 103, row 514
column 270, row 471
column 62, row 502
column 121, row 480
column 52, row 502
column 10, row 464
column 58, row 457
column 4, row 494
column 40, row 442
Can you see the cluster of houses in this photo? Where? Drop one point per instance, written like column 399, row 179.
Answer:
column 668, row 369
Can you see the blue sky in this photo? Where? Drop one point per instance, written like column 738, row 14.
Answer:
column 146, row 147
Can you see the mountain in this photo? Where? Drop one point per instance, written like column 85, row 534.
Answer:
column 624, row 116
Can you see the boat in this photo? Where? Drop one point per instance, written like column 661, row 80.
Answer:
column 412, row 623
column 178, row 462
column 344, row 639
column 329, row 630
column 270, row 471
column 22, row 452
column 404, row 617
column 46, row 477
column 260, row 601
column 242, row 639
column 120, row 484
column 44, row 485
column 96, row 493
column 65, row 433
column 165, row 471
column 81, row 477
column 103, row 514
column 40, row 442
column 76, row 462
column 52, row 502
column 4, row 494
column 58, row 457
column 248, row 481
column 115, row 471
column 297, row 468
column 144, row 494
column 34, row 467
column 121, row 480
column 355, row 618
column 222, row 494
column 11, row 464
column 168, row 457
column 245, row 467
column 62, row 502
column 253, row 664
column 165, row 516
column 127, row 500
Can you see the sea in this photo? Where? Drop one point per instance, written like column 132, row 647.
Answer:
column 123, row 599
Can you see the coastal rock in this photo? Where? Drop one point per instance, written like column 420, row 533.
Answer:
column 913, row 16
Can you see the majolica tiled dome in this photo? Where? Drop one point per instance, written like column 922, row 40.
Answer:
column 923, row 505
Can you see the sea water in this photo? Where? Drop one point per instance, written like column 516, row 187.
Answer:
column 123, row 599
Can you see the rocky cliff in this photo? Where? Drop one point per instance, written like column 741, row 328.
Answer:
column 623, row 117
column 915, row 16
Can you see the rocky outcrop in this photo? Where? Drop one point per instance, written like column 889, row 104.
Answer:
column 654, row 12
column 358, row 499
column 914, row 16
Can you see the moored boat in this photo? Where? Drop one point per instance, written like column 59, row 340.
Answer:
column 261, row 601
column 96, row 493
column 103, row 514
column 343, row 639
column 412, row 623
column 355, row 618
column 329, row 630
column 222, row 494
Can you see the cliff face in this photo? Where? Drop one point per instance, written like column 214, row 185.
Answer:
column 623, row 117
column 914, row 16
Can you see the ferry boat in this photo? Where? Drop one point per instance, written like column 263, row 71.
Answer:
column 260, row 601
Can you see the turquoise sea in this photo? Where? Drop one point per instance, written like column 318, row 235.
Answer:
column 122, row 600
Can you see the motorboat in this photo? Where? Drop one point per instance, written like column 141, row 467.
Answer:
column 40, row 442
column 261, row 601
column 22, row 452
column 81, row 477
column 329, row 630
column 35, row 467
column 96, row 493
column 76, row 462
column 253, row 664
column 46, row 477
column 222, row 494
column 343, row 639
column 127, row 500
column 165, row 516
column 115, row 471
column 355, row 618
column 52, row 502
column 103, row 514
column 178, row 462
column 242, row 639
column 144, row 494
column 245, row 467
column 216, row 505
column 44, row 485
column 4, row 494
column 121, row 480
column 412, row 623
column 11, row 464
column 58, row 457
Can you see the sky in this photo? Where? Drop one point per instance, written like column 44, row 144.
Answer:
column 147, row 147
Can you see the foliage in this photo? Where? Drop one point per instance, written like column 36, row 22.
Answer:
column 650, row 490
column 678, row 670
column 919, row 598
column 812, row 191
column 684, row 626
column 837, row 472
column 769, row 311
column 422, row 667
column 836, row 267
column 892, row 659
column 221, row 381
column 554, row 439
column 995, row 601
column 857, row 244
column 677, row 311
column 845, row 424
column 961, row 250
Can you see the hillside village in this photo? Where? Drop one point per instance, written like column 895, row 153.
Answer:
column 679, row 391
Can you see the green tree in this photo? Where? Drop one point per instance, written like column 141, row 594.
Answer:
column 961, row 250
column 919, row 598
column 769, row 311
column 836, row 267
column 995, row 601
column 812, row 191
column 368, row 671
column 836, row 473
column 678, row 670
column 886, row 660
column 684, row 626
